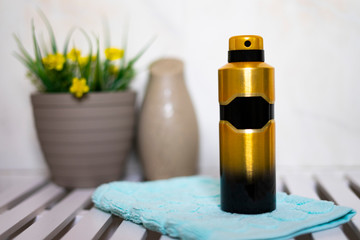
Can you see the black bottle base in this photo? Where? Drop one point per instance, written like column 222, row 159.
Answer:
column 247, row 210
column 248, row 196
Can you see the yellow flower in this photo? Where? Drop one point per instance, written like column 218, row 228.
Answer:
column 54, row 61
column 83, row 60
column 113, row 69
column 114, row 53
column 79, row 87
column 74, row 54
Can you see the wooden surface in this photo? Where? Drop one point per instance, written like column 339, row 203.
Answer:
column 34, row 208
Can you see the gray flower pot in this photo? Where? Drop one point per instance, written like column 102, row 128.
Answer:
column 85, row 142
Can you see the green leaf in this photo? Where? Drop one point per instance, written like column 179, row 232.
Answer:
column 43, row 45
column 86, row 70
column 98, row 81
column 123, row 78
column 22, row 49
column 117, row 80
column 124, row 44
column 36, row 45
column 106, row 32
column 87, row 39
column 141, row 52
column 50, row 30
column 38, row 65
column 105, row 74
column 30, row 66
column 128, row 76
column 34, row 70
column 67, row 40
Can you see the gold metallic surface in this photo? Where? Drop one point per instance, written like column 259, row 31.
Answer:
column 238, row 42
column 247, row 152
column 246, row 79
column 247, row 156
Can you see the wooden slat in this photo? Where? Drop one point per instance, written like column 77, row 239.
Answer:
column 301, row 184
column 130, row 231
column 5, row 182
column 330, row 234
column 19, row 190
column 15, row 218
column 354, row 179
column 91, row 226
column 337, row 187
column 304, row 185
column 166, row 238
column 58, row 217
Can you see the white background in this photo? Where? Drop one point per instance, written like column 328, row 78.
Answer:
column 313, row 45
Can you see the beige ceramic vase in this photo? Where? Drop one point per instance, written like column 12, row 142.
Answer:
column 85, row 142
column 168, row 131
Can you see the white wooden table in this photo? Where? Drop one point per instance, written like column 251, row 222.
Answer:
column 34, row 208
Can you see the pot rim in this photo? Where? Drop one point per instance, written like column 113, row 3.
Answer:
column 90, row 93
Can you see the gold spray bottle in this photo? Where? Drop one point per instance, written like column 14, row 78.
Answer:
column 247, row 128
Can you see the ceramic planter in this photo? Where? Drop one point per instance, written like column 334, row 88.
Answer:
column 85, row 142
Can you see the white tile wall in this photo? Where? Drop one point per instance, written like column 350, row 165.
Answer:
column 314, row 46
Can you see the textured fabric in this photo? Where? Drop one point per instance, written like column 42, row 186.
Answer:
column 189, row 208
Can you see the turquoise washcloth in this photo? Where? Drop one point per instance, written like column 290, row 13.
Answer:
column 189, row 208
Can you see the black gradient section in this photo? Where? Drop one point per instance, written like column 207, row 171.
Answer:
column 241, row 194
column 247, row 112
column 246, row 56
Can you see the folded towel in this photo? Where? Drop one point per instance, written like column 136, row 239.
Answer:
column 189, row 208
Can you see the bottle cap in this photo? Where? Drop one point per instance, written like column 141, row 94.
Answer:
column 246, row 42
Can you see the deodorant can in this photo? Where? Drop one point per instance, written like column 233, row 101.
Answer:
column 247, row 128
